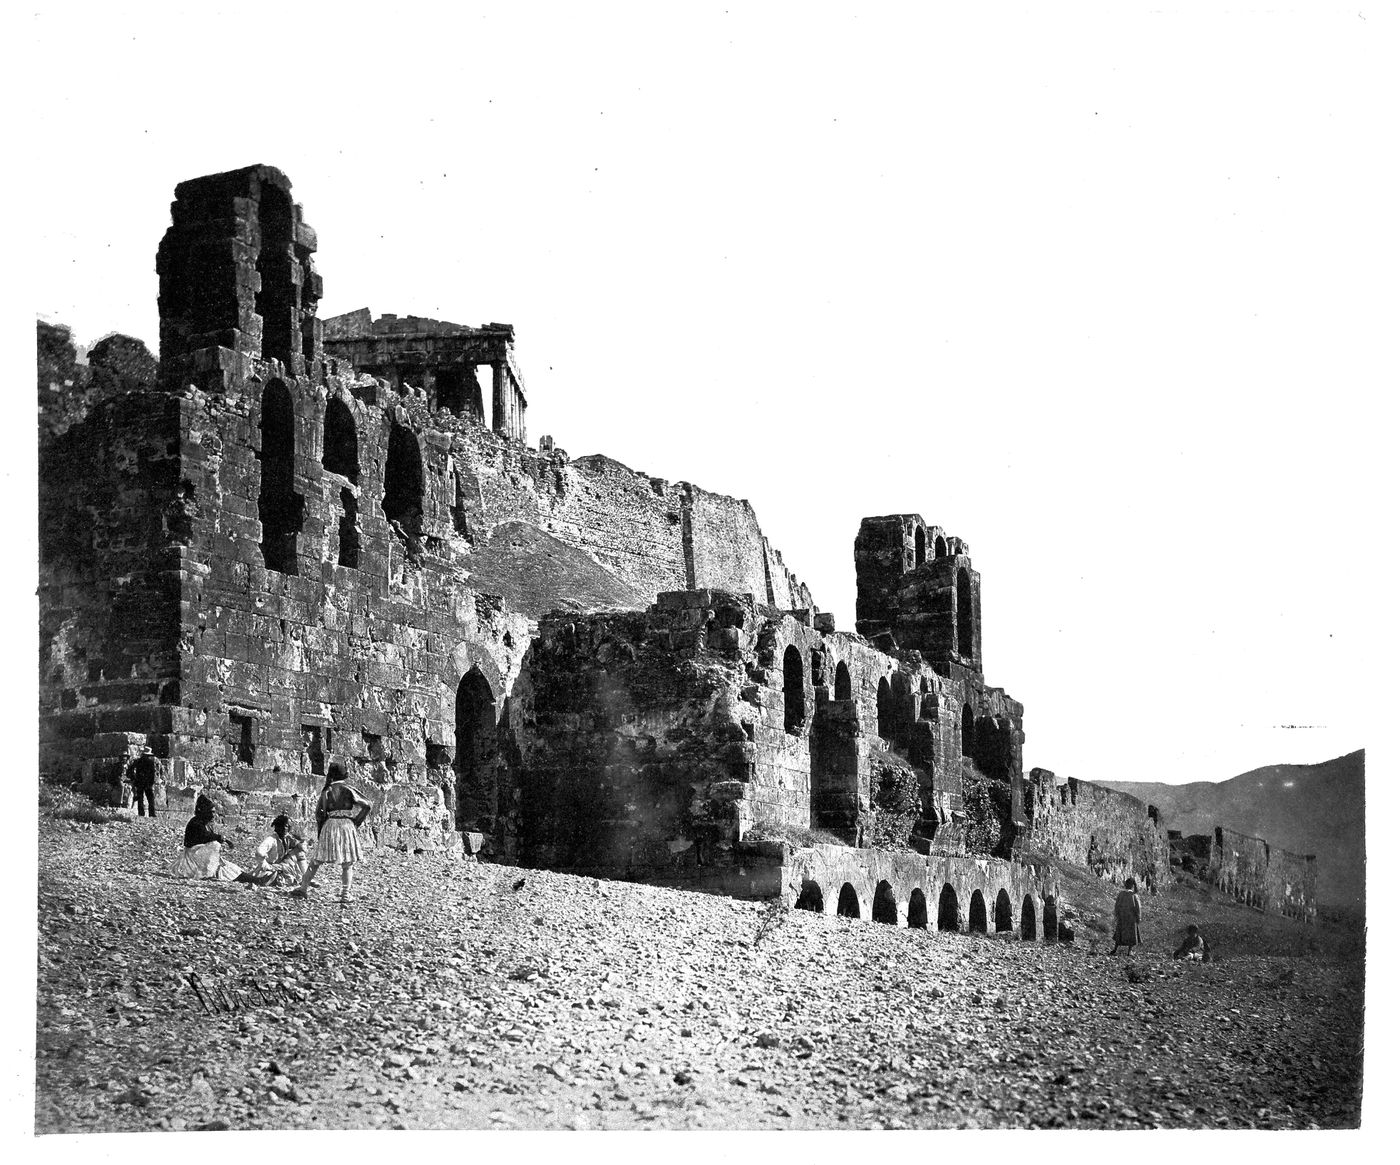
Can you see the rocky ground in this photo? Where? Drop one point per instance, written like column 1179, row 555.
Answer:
column 446, row 997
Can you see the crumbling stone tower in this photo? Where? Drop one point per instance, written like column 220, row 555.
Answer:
column 236, row 274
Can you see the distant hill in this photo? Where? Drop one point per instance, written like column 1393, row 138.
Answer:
column 1309, row 809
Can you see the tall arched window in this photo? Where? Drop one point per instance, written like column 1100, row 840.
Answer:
column 476, row 745
column 275, row 300
column 884, row 710
column 968, row 728
column 940, row 547
column 964, row 614
column 279, row 505
column 843, row 681
column 794, row 709
column 920, row 546
column 340, row 449
column 403, row 482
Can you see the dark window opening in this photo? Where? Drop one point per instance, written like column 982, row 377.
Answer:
column 818, row 671
column 918, row 911
column 940, row 547
column 968, row 731
column 977, row 913
column 794, row 710
column 1051, row 921
column 341, row 447
column 280, row 507
column 1003, row 911
column 848, row 905
column 451, row 388
column 948, row 908
column 964, row 614
column 275, row 300
column 810, row 897
column 315, row 754
column 843, row 682
column 477, row 747
column 884, row 909
column 920, row 546
column 246, row 749
column 884, row 710
column 349, row 551
column 403, row 484
column 1028, row 917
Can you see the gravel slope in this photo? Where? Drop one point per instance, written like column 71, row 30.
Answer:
column 445, row 998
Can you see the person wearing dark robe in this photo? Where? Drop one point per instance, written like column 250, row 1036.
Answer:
column 1127, row 915
column 203, row 856
column 142, row 774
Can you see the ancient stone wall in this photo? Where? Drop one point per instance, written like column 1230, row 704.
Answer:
column 1115, row 835
column 975, row 895
column 652, row 747
column 113, row 519
column 274, row 560
column 1263, row 876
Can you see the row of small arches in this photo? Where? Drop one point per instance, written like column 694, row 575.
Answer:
column 885, row 908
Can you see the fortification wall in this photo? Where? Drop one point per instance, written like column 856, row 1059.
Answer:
column 1263, row 876
column 112, row 518
column 654, row 745
column 1115, row 835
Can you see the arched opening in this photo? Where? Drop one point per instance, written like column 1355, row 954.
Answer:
column 279, row 505
column 940, row 547
column 843, row 682
column 1028, row 917
column 920, row 546
column 403, row 484
column 1003, row 911
column 884, row 908
column 810, row 897
column 977, row 913
column 964, row 614
column 794, row 710
column 948, row 908
column 918, row 910
column 847, row 904
column 968, row 730
column 884, row 710
column 340, row 448
column 275, row 300
column 1050, row 919
column 476, row 748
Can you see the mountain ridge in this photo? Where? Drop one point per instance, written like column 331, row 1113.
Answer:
column 1308, row 809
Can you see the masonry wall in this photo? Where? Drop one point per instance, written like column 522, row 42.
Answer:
column 1115, row 835
column 112, row 517
column 1263, row 876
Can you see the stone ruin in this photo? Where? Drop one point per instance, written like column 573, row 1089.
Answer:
column 299, row 540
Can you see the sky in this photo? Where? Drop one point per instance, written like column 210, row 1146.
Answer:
column 1103, row 290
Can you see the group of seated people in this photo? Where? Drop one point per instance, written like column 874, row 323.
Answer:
column 280, row 858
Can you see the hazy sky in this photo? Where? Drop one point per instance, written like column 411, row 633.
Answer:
column 1101, row 289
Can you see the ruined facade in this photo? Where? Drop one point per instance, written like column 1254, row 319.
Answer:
column 306, row 540
column 1113, row 834
column 1264, row 876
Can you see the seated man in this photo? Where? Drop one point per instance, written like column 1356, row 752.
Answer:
column 1195, row 948
column 281, row 857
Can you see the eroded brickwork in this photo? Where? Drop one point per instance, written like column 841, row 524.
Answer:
column 1264, row 876
column 1115, row 835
